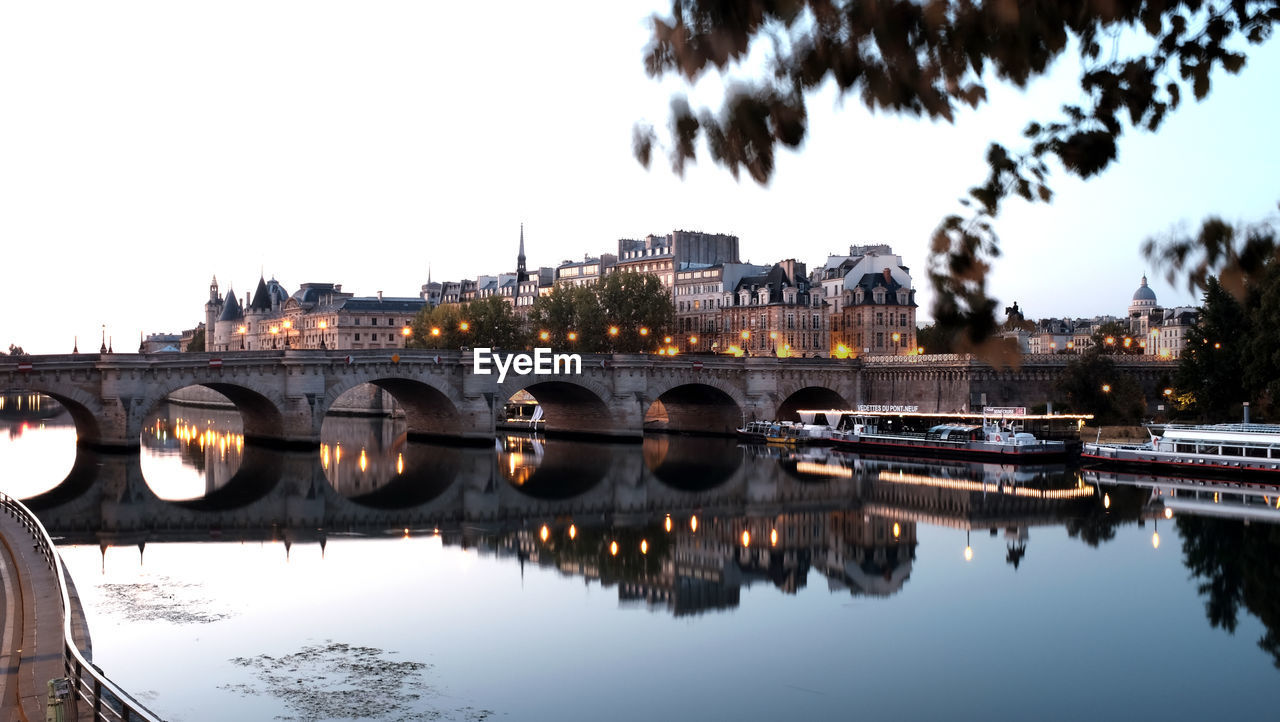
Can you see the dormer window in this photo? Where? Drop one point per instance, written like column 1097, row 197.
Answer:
column 859, row 296
column 878, row 295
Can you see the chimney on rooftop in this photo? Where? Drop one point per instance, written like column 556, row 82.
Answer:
column 380, row 292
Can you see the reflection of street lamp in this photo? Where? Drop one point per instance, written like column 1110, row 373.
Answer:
column 968, row 550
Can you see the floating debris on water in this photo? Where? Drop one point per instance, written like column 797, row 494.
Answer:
column 164, row 600
column 340, row 681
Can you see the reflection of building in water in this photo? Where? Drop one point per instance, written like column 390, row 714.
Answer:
column 212, row 442
column 25, row 405
column 359, row 455
column 693, row 565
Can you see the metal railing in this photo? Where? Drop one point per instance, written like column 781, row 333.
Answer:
column 91, row 686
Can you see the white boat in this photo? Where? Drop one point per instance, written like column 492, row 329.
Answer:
column 959, row 436
column 1223, row 448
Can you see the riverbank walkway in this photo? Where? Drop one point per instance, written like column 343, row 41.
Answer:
column 31, row 642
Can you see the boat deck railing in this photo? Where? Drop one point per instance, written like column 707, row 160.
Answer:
column 91, row 686
column 1254, row 428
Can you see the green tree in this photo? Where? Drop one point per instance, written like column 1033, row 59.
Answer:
column 1113, row 337
column 197, row 341
column 640, row 308
column 492, row 322
column 934, row 339
column 1211, row 367
column 1139, row 58
column 1091, row 384
column 438, row 327
column 1261, row 346
column 572, row 317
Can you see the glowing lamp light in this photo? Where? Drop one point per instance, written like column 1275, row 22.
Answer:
column 1168, row 513
column 773, row 537
column 746, row 538
column 693, row 340
column 406, row 331
column 644, row 546
column 573, row 531
column 920, row 350
column 464, row 326
column 968, row 554
column 1217, row 344
column 613, row 548
column 435, row 331
column 897, row 530
column 667, row 524
column 693, row 523
column 897, row 336
column 544, row 335
column 773, row 335
column 324, row 325
column 613, row 330
column 544, row 533
column 644, row 331
column 745, row 335
column 288, row 323
column 1106, row 388
column 1106, row 501
column 666, row 339
column 573, row 335
column 1155, row 540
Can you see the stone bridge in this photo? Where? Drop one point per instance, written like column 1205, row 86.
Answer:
column 283, row 396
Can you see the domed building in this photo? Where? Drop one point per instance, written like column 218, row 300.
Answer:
column 1143, row 303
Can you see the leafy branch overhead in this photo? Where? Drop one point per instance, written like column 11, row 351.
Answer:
column 928, row 59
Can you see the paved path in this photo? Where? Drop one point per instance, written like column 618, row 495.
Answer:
column 31, row 638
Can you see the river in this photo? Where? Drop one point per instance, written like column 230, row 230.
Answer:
column 680, row 578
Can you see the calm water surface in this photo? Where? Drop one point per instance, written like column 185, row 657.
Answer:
column 680, row 578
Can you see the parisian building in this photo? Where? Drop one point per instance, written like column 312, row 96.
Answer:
column 317, row 315
column 663, row 256
column 773, row 314
column 872, row 303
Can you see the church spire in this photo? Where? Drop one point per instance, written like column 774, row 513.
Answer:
column 521, row 274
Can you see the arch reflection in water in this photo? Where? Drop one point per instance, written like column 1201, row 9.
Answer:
column 692, row 463
column 190, row 452
column 558, row 468
column 41, row 443
column 373, row 462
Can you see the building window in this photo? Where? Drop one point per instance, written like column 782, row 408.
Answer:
column 373, row 320
column 357, row 337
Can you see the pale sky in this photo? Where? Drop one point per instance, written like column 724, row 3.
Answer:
column 146, row 146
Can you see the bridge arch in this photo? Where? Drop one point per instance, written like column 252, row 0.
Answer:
column 571, row 405
column 431, row 409
column 808, row 397
column 84, row 408
column 702, row 406
column 260, row 409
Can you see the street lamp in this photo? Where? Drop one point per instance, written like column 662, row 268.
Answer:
column 573, row 335
column 1106, row 388
column 464, row 326
column 544, row 335
column 406, row 332
column 644, row 331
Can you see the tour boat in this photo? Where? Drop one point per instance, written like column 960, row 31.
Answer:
column 789, row 433
column 958, row 436
column 1217, row 448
